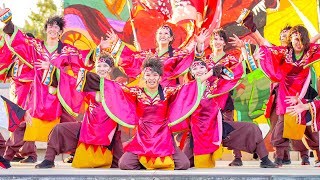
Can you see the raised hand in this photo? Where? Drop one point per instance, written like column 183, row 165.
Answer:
column 110, row 40
column 3, row 8
column 5, row 14
column 258, row 55
column 203, row 36
column 40, row 64
column 236, row 41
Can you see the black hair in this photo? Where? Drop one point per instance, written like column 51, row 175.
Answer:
column 30, row 35
column 55, row 20
column 107, row 58
column 221, row 33
column 201, row 61
column 170, row 49
column 155, row 64
column 190, row 76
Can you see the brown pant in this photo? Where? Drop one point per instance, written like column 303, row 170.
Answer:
column 63, row 138
column 117, row 150
column 15, row 144
column 66, row 117
column 283, row 151
column 228, row 116
column 245, row 137
column 130, row 161
column 2, row 145
column 188, row 151
column 281, row 144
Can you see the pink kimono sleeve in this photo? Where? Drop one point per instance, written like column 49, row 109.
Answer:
column 222, row 86
column 183, row 100
column 69, row 96
column 128, row 60
column 119, row 102
column 313, row 55
column 5, row 59
column 270, row 63
column 180, row 63
column 22, row 46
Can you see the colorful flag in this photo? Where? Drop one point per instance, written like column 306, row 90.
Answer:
column 11, row 114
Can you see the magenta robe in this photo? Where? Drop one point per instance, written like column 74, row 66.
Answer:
column 20, row 75
column 206, row 126
column 43, row 99
column 5, row 59
column 225, row 84
column 277, row 63
column 175, row 66
column 206, row 121
column 21, row 82
column 132, row 106
column 97, row 127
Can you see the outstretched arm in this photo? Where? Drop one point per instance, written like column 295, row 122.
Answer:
column 246, row 20
column 315, row 38
column 203, row 36
column 206, row 76
column 5, row 17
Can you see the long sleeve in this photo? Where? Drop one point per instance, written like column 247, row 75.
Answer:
column 183, row 100
column 5, row 59
column 22, row 46
column 271, row 62
column 118, row 101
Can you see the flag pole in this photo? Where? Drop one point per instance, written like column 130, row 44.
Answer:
column 132, row 26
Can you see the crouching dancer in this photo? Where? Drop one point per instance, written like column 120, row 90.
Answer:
column 99, row 141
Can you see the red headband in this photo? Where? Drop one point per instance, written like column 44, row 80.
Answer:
column 197, row 63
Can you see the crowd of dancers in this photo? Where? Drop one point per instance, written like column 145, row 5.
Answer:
column 180, row 111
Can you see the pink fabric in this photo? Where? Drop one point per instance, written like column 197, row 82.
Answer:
column 278, row 65
column 206, row 127
column 20, row 91
column 41, row 100
column 121, row 102
column 206, row 121
column 313, row 54
column 223, row 85
column 5, row 58
column 97, row 128
column 69, row 95
column 182, row 100
column 152, row 115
